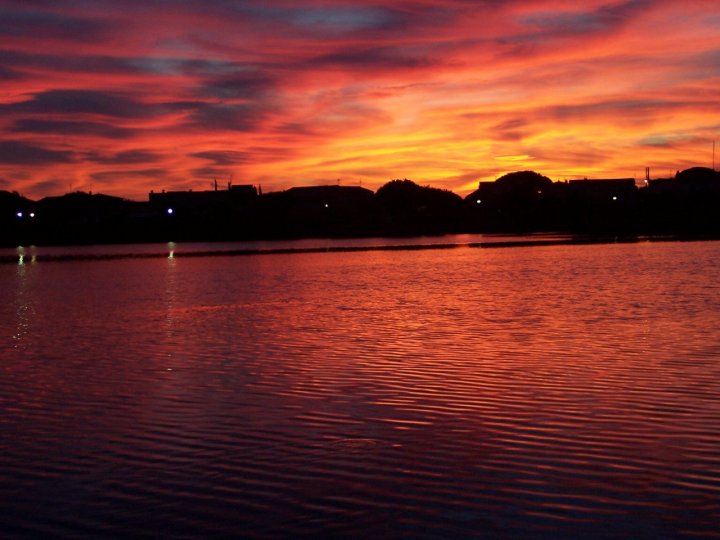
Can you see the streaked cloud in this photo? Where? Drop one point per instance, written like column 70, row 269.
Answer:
column 21, row 153
column 167, row 94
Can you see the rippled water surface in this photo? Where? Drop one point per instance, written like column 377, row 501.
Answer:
column 523, row 392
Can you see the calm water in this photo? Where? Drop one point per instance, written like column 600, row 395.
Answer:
column 523, row 392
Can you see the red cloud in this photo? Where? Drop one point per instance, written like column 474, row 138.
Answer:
column 127, row 99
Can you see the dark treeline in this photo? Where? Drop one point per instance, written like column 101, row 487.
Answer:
column 519, row 202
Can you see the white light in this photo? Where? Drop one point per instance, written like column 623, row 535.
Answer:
column 32, row 214
column 169, row 210
column 326, row 205
column 478, row 201
column 19, row 214
column 614, row 198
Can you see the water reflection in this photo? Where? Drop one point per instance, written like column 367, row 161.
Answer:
column 23, row 254
column 171, row 293
column 23, row 303
column 547, row 392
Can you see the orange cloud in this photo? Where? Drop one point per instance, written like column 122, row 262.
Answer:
column 279, row 93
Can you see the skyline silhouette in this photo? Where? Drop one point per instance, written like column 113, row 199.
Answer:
column 518, row 202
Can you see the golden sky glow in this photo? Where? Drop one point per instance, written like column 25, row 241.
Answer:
column 125, row 97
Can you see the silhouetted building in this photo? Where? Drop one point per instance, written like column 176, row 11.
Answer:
column 603, row 190
column 687, row 203
column 195, row 200
column 316, row 211
column 693, row 181
column 18, row 219
column 324, row 196
column 517, row 201
column 205, row 215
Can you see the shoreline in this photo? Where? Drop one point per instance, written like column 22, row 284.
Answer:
column 28, row 255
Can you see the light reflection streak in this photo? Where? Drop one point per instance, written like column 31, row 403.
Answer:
column 170, row 291
column 22, row 254
column 24, row 309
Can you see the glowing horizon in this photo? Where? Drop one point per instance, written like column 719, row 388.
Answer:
column 171, row 95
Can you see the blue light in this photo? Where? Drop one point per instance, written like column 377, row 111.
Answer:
column 170, row 211
column 19, row 214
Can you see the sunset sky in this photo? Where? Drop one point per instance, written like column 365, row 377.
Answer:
column 124, row 97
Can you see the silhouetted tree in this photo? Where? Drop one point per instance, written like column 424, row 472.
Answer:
column 403, row 207
column 523, row 183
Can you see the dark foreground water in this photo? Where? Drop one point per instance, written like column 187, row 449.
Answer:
column 521, row 392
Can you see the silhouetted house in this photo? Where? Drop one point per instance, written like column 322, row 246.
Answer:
column 606, row 206
column 620, row 190
column 315, row 211
column 698, row 181
column 226, row 214
column 517, row 201
column 15, row 207
column 686, row 203
column 694, row 181
column 88, row 218
column 515, row 185
column 323, row 196
column 18, row 219
column 661, row 186
column 202, row 201
column 699, row 175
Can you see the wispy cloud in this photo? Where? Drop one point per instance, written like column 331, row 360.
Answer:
column 155, row 94
column 20, row 153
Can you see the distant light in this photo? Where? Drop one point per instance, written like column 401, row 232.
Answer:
column 539, row 192
column 170, row 210
column 478, row 201
column 19, row 214
column 326, row 205
column 32, row 214
column 614, row 198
